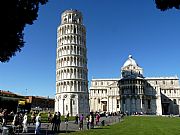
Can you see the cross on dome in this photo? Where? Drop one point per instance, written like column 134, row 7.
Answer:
column 130, row 56
column 130, row 61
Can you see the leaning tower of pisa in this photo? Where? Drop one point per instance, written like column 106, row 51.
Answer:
column 71, row 65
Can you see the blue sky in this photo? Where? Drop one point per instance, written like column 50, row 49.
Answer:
column 115, row 29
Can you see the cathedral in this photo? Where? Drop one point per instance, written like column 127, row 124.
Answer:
column 133, row 93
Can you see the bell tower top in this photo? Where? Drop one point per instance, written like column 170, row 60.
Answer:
column 71, row 16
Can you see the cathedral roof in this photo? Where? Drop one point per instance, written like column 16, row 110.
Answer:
column 130, row 61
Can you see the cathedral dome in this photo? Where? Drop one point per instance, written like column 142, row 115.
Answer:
column 130, row 61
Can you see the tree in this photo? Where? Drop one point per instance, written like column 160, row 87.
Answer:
column 17, row 14
column 167, row 4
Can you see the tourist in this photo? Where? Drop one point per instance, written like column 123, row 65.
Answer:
column 97, row 118
column 33, row 117
column 4, row 117
column 91, row 119
column 38, row 124
column 16, row 122
column 12, row 113
column 66, row 119
column 76, row 119
column 58, row 121
column 68, row 115
column 25, row 122
column 87, row 121
column 106, row 114
column 54, row 122
column 81, row 118
column 49, row 117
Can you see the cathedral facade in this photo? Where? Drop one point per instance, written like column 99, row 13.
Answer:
column 133, row 93
column 71, row 65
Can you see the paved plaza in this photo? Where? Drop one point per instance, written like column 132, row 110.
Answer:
column 67, row 128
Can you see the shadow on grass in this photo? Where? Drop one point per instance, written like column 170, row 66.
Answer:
column 100, row 128
column 64, row 131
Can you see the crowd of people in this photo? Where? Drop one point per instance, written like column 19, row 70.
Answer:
column 21, row 121
column 90, row 120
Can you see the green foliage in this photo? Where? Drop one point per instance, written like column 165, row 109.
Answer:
column 44, row 117
column 167, row 4
column 14, row 18
column 138, row 125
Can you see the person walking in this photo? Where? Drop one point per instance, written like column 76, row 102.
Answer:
column 38, row 124
column 87, row 121
column 16, row 122
column 33, row 117
column 54, row 122
column 66, row 119
column 49, row 117
column 76, row 119
column 25, row 122
column 58, row 121
column 106, row 114
column 97, row 118
column 81, row 118
column 91, row 119
column 4, row 117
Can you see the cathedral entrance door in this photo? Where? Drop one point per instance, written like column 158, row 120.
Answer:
column 104, row 105
column 165, row 108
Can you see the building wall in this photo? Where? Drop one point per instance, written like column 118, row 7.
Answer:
column 71, row 65
column 104, row 95
column 134, row 93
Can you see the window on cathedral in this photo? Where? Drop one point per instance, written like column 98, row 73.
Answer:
column 123, row 101
column 73, row 102
column 118, row 103
column 122, row 91
column 101, row 83
column 98, row 101
column 142, row 101
column 164, row 91
column 98, row 91
column 149, row 104
column 156, row 82
column 95, row 83
column 169, row 91
column 171, row 82
column 174, row 100
column 163, row 82
column 66, row 107
column 133, row 90
column 174, row 91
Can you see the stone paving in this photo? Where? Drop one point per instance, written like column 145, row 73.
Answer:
column 67, row 128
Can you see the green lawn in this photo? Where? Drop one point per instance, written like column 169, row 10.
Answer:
column 139, row 125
